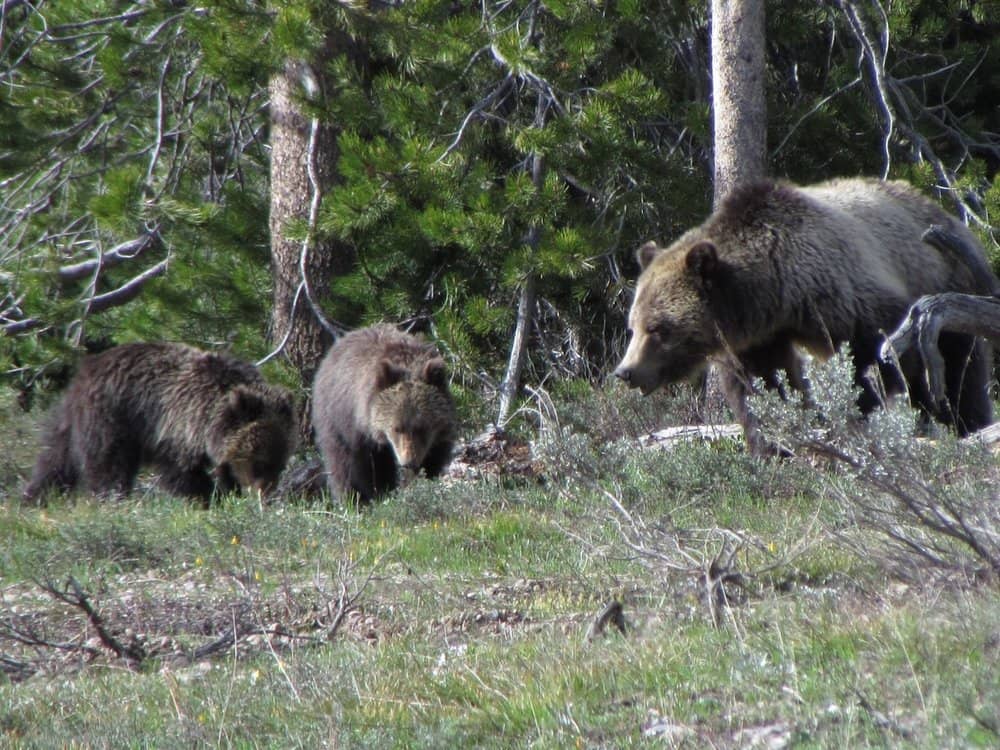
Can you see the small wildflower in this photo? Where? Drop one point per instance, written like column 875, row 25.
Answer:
column 772, row 547
column 256, row 575
column 235, row 540
column 198, row 560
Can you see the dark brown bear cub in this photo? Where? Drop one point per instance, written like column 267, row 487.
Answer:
column 203, row 420
column 381, row 412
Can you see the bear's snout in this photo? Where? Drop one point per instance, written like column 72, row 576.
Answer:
column 625, row 373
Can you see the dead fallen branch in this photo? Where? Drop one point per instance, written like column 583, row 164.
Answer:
column 36, row 638
column 931, row 315
column 74, row 595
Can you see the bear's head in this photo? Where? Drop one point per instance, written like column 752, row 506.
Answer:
column 412, row 412
column 254, row 435
column 672, row 331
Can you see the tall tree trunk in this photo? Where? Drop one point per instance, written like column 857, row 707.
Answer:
column 739, row 107
column 739, row 115
column 303, row 163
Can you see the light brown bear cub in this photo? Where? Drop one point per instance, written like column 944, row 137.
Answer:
column 778, row 266
column 382, row 411
column 204, row 421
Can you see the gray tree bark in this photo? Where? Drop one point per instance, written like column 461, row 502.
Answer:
column 739, row 117
column 303, row 168
column 739, row 108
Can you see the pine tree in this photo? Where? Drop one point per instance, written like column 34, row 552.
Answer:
column 130, row 172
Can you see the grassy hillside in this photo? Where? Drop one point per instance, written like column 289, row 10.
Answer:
column 761, row 607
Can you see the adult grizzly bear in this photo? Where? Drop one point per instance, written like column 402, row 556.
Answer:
column 202, row 420
column 778, row 266
column 381, row 412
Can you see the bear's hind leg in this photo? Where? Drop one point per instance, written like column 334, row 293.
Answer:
column 967, row 375
column 112, row 469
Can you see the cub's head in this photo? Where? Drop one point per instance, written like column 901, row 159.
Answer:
column 412, row 412
column 256, row 434
column 671, row 328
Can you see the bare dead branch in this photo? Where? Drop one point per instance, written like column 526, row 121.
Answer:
column 931, row 315
column 13, row 631
column 901, row 108
column 14, row 669
column 227, row 640
column 876, row 62
column 120, row 253
column 74, row 595
column 127, row 291
column 21, row 326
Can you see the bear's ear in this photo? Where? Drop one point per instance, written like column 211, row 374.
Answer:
column 435, row 373
column 647, row 254
column 703, row 260
column 244, row 405
column 387, row 375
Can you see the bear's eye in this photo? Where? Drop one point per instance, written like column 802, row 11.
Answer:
column 659, row 330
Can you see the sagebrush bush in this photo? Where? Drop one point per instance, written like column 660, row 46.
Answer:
column 932, row 500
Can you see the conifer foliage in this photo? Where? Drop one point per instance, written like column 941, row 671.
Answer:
column 134, row 150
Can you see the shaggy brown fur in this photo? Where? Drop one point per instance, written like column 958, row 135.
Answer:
column 203, row 420
column 382, row 411
column 777, row 267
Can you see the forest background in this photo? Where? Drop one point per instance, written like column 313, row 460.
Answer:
column 258, row 176
column 435, row 164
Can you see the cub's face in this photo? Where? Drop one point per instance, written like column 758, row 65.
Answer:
column 412, row 417
column 671, row 329
column 255, row 455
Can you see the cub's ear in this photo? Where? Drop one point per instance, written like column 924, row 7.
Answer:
column 282, row 403
column 435, row 373
column 703, row 260
column 387, row 375
column 647, row 254
column 244, row 405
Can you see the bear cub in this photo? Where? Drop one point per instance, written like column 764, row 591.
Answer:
column 204, row 421
column 382, row 411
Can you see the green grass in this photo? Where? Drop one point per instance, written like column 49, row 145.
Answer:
column 474, row 600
